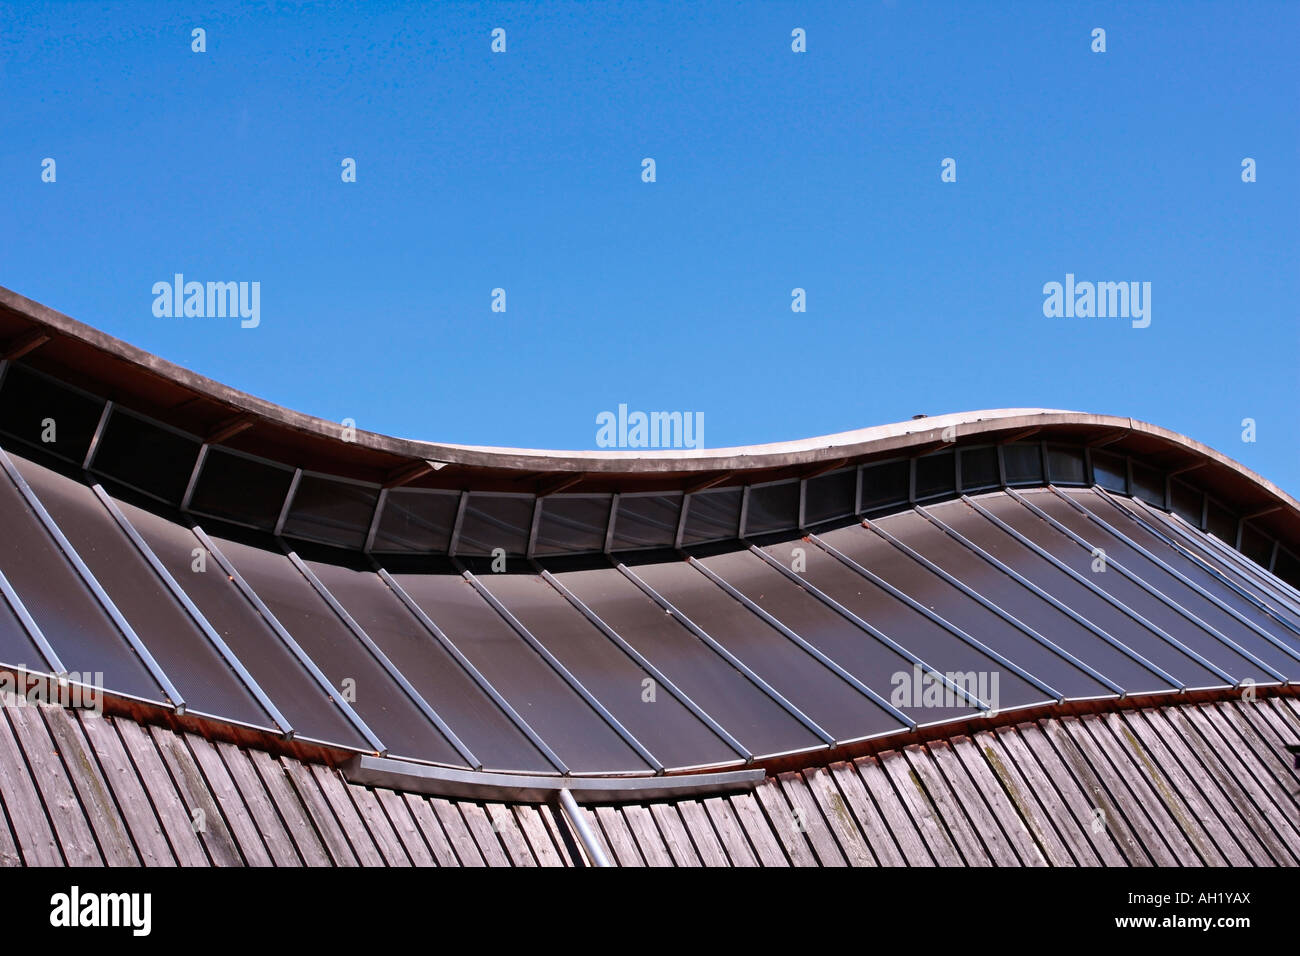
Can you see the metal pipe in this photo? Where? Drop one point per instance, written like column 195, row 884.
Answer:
column 578, row 823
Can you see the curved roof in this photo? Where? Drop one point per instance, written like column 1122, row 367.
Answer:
column 612, row 613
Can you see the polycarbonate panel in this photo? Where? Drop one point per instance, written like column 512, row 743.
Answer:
column 1023, row 463
column 17, row 649
column 830, row 496
column 646, row 521
column 1186, row 502
column 416, row 520
column 258, row 648
column 713, row 516
column 936, row 475
column 1256, row 545
column 44, row 413
column 1158, row 576
column 1065, row 465
column 885, row 485
column 1020, row 602
column 340, row 655
column 184, row 653
column 1287, row 567
column 830, row 701
column 720, row 690
column 332, row 512
column 573, row 524
column 1221, row 522
column 979, row 469
column 1044, row 575
column 433, row 672
column 928, row 640
column 871, row 661
column 496, row 521
column 1149, row 485
column 664, row 726
column 551, row 707
column 143, row 455
column 1110, row 471
column 949, row 602
column 240, row 489
column 1195, row 572
column 772, row 508
column 75, row 625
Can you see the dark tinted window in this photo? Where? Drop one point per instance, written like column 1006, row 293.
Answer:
column 646, row 521
column 1065, row 465
column 935, row 475
column 334, row 512
column 1256, row 545
column 1110, row 471
column 713, row 516
column 1024, row 463
column 979, row 469
column 830, row 496
column 145, row 456
column 885, row 485
column 1149, row 485
column 1187, row 502
column 772, row 508
column 572, row 523
column 415, row 520
column 241, row 489
column 33, row 407
column 1222, row 523
column 495, row 521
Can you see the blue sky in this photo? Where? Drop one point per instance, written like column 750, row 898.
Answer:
column 775, row 170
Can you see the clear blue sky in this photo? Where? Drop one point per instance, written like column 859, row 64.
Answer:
column 775, row 170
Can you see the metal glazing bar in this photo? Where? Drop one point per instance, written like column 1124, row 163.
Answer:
column 1205, row 565
column 288, row 501
column 1151, row 589
column 194, row 476
column 1050, row 599
column 95, row 438
column 661, row 679
column 565, row 674
column 681, row 519
column 1100, row 592
column 197, row 616
column 92, row 583
column 808, row 648
column 875, row 632
column 533, row 525
column 454, row 540
column 578, row 823
column 468, row 667
column 989, row 605
column 33, row 629
column 803, row 501
column 287, row 639
column 1279, row 589
column 397, row 676
column 726, row 655
column 375, row 519
column 609, row 525
column 942, row 622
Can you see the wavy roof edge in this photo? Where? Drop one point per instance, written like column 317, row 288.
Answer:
column 901, row 437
